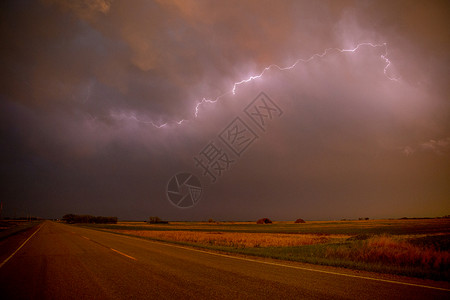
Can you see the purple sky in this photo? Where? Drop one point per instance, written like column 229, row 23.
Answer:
column 86, row 84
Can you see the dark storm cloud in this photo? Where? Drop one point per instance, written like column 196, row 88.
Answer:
column 83, row 82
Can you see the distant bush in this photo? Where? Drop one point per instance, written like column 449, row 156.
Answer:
column 72, row 219
column 264, row 221
column 211, row 220
column 300, row 221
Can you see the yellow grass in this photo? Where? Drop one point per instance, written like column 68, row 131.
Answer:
column 238, row 239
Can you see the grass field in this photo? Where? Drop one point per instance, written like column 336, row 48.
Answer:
column 412, row 247
column 12, row 227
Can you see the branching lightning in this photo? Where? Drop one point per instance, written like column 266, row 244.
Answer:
column 274, row 66
column 132, row 116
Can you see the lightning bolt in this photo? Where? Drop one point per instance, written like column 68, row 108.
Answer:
column 320, row 55
column 132, row 116
column 326, row 52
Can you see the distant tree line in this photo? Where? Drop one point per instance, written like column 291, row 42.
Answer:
column 22, row 218
column 156, row 220
column 269, row 221
column 71, row 219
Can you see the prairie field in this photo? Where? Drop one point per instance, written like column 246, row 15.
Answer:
column 239, row 239
column 12, row 227
column 412, row 247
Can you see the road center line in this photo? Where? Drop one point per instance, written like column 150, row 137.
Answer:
column 117, row 251
column 123, row 253
column 6, row 260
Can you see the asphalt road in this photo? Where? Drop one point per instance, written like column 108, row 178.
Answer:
column 67, row 262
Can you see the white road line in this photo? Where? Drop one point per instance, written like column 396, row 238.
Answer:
column 292, row 267
column 122, row 253
column 85, row 237
column 6, row 260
